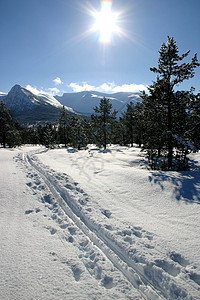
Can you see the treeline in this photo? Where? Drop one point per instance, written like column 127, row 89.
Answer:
column 166, row 123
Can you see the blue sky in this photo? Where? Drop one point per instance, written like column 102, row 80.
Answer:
column 48, row 45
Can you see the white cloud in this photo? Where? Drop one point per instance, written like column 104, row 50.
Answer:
column 57, row 80
column 52, row 91
column 81, row 87
column 108, row 87
column 133, row 88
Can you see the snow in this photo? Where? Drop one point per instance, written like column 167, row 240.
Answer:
column 50, row 100
column 110, row 98
column 3, row 94
column 96, row 224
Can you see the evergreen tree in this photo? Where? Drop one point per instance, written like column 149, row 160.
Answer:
column 6, row 126
column 79, row 129
column 102, row 122
column 49, row 136
column 129, row 118
column 139, row 124
column 121, row 132
column 171, row 72
column 194, row 120
column 63, row 127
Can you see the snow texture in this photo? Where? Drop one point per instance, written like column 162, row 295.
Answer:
column 96, row 224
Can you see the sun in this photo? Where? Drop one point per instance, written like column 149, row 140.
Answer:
column 106, row 22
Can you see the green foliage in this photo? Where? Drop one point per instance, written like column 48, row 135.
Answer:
column 132, row 120
column 49, row 136
column 103, row 122
column 79, row 132
column 63, row 127
column 166, row 111
column 10, row 131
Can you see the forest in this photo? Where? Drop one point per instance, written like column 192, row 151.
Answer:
column 165, row 124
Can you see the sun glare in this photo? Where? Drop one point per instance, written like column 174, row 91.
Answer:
column 106, row 22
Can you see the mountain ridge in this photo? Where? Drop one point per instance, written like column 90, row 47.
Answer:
column 84, row 102
column 29, row 107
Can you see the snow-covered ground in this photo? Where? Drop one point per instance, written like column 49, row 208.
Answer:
column 96, row 224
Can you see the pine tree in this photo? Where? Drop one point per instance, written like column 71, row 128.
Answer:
column 171, row 72
column 5, row 125
column 79, row 129
column 49, row 136
column 129, row 119
column 102, row 122
column 194, row 120
column 63, row 128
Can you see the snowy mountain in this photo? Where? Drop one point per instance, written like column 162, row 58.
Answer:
column 20, row 99
column 28, row 107
column 83, row 102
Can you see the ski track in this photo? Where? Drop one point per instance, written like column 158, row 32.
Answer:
column 153, row 281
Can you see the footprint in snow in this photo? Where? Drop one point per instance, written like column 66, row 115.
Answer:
column 84, row 243
column 70, row 239
column 51, row 229
column 68, row 186
column 109, row 227
column 107, row 282
column 128, row 240
column 76, row 272
column 29, row 211
column 47, row 199
column 179, row 259
column 106, row 213
column 72, row 230
column 195, row 277
column 137, row 234
column 63, row 226
column 167, row 267
column 89, row 209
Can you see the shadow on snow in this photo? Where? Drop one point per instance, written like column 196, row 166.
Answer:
column 186, row 184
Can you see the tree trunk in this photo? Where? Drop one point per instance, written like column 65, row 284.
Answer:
column 104, row 138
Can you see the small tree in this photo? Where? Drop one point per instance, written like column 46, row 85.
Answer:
column 102, row 122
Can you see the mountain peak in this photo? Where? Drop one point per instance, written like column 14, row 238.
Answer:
column 17, row 88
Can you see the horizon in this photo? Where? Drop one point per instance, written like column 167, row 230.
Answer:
column 66, row 47
column 36, row 92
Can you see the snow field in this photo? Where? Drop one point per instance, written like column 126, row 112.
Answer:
column 105, row 181
column 113, row 225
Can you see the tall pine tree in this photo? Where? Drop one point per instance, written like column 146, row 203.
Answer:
column 171, row 72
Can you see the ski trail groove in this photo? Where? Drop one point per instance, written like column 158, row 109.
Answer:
column 111, row 249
